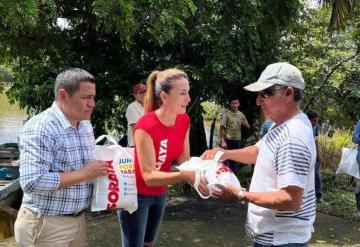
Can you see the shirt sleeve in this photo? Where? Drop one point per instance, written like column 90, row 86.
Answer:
column 244, row 118
column 292, row 163
column 36, row 158
column 224, row 120
column 131, row 115
column 356, row 137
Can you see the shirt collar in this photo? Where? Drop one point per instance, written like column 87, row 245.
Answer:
column 61, row 117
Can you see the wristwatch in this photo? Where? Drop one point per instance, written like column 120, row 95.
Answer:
column 241, row 194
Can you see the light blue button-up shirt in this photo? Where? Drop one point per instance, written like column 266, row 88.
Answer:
column 356, row 135
column 49, row 145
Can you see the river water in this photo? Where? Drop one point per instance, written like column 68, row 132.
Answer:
column 11, row 120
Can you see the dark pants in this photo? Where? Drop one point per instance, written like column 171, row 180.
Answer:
column 232, row 144
column 282, row 245
column 142, row 225
column 318, row 181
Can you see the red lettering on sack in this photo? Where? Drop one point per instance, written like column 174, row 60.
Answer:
column 113, row 196
column 110, row 206
column 112, row 176
column 222, row 169
column 113, row 187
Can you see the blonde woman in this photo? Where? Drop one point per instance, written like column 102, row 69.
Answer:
column 161, row 137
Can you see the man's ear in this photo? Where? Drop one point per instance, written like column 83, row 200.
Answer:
column 62, row 94
column 289, row 91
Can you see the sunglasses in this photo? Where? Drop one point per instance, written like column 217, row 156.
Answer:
column 269, row 92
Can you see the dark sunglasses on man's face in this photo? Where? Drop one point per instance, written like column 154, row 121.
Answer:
column 266, row 93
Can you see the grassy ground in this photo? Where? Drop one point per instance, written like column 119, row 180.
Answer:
column 339, row 197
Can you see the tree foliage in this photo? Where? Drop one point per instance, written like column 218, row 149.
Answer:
column 222, row 45
column 326, row 62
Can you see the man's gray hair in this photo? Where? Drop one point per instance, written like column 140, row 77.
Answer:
column 70, row 80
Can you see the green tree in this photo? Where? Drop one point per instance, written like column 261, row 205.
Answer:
column 325, row 62
column 222, row 45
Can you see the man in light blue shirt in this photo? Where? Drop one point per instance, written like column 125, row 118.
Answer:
column 356, row 139
column 57, row 166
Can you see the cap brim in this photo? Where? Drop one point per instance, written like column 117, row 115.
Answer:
column 257, row 86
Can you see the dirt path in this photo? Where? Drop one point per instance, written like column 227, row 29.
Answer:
column 197, row 222
column 192, row 222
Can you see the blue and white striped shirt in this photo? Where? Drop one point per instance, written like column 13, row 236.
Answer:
column 49, row 145
column 286, row 158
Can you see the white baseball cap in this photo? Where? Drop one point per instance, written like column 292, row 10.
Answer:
column 278, row 73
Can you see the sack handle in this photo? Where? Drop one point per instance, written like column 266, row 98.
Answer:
column 198, row 176
column 218, row 156
column 110, row 140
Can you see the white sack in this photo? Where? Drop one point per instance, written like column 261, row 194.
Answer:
column 117, row 190
column 348, row 164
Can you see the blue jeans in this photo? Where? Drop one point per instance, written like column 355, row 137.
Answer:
column 232, row 144
column 282, row 245
column 142, row 225
column 318, row 181
column 357, row 190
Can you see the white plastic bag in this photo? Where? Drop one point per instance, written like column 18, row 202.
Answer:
column 117, row 190
column 348, row 164
column 222, row 175
column 212, row 170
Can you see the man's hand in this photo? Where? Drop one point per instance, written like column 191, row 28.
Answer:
column 189, row 176
column 319, row 158
column 94, row 169
column 210, row 154
column 223, row 144
column 228, row 193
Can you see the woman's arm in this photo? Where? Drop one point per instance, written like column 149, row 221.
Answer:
column 147, row 161
column 186, row 152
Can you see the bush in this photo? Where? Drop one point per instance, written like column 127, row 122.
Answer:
column 211, row 109
column 339, row 197
column 331, row 147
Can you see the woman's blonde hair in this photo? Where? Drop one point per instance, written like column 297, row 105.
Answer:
column 157, row 82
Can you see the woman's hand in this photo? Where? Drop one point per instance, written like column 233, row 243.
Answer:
column 189, row 176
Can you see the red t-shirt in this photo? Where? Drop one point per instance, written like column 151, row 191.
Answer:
column 168, row 144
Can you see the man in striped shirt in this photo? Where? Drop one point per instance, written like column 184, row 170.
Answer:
column 281, row 197
column 57, row 166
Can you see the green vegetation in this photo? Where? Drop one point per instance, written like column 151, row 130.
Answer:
column 222, row 45
column 338, row 189
column 331, row 147
column 339, row 197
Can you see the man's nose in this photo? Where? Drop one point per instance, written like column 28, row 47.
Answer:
column 91, row 102
column 259, row 100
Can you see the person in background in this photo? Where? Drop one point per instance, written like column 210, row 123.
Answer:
column 281, row 209
column 265, row 127
column 356, row 140
column 57, row 166
column 161, row 137
column 314, row 118
column 230, row 129
column 134, row 111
